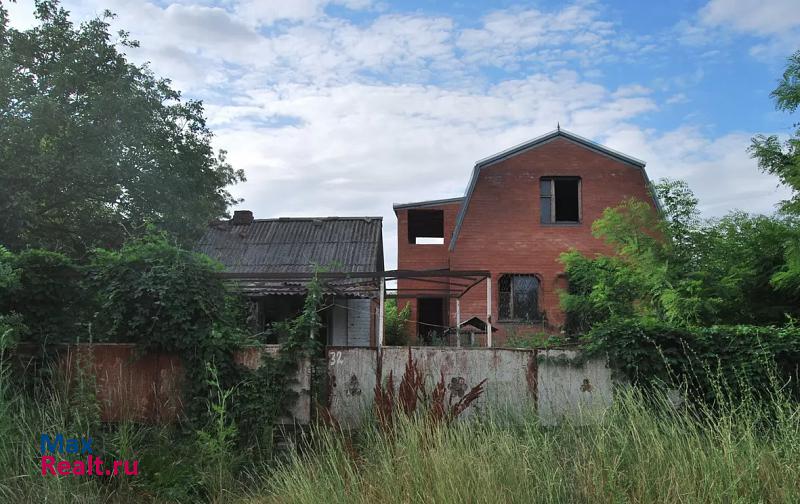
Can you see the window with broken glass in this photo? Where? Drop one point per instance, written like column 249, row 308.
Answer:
column 519, row 298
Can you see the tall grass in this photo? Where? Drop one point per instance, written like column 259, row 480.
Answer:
column 642, row 450
column 168, row 473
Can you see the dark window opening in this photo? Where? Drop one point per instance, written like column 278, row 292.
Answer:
column 519, row 298
column 275, row 309
column 560, row 200
column 426, row 227
column 430, row 319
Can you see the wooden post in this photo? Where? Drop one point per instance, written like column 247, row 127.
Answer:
column 489, row 311
column 458, row 322
column 380, row 313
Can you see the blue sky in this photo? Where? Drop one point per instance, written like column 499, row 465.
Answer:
column 343, row 107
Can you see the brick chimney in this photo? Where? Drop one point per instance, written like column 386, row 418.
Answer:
column 242, row 218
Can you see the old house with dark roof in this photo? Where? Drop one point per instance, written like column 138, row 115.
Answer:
column 271, row 261
column 522, row 208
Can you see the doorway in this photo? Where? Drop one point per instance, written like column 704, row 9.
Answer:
column 430, row 319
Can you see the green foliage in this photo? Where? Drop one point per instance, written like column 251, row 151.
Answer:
column 217, row 440
column 395, row 324
column 641, row 450
column 12, row 328
column 47, row 295
column 165, row 299
column 92, row 147
column 9, row 273
column 158, row 295
column 598, row 289
column 712, row 361
column 681, row 270
column 783, row 158
column 534, row 340
column 265, row 393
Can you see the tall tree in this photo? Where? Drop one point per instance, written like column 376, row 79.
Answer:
column 93, row 147
column 783, row 159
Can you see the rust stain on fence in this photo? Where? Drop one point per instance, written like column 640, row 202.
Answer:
column 147, row 387
column 532, row 376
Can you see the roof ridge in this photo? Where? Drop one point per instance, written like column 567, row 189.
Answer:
column 530, row 144
column 330, row 218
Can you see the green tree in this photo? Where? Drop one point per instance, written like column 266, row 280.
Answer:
column 93, row 147
column 679, row 269
column 783, row 160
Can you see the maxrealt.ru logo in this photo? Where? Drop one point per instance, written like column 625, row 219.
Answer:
column 80, row 447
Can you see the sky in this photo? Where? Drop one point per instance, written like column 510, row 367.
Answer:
column 343, row 107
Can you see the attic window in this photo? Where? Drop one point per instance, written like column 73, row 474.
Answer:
column 426, row 227
column 560, row 200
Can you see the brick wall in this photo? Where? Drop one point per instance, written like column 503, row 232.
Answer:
column 502, row 232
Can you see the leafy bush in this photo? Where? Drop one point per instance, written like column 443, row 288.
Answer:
column 156, row 294
column 395, row 323
column 707, row 359
column 45, row 289
column 538, row 339
column 684, row 271
column 598, row 289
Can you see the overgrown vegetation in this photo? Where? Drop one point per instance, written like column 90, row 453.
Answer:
column 103, row 152
column 395, row 323
column 680, row 269
column 165, row 299
column 642, row 450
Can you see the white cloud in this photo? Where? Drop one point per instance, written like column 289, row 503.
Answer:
column 508, row 37
column 677, row 99
column 775, row 22
column 267, row 12
column 762, row 17
column 719, row 170
column 333, row 117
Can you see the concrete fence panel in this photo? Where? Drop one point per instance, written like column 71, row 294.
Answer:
column 557, row 384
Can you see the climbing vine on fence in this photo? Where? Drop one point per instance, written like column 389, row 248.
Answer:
column 709, row 360
column 163, row 298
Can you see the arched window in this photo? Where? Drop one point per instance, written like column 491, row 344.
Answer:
column 519, row 298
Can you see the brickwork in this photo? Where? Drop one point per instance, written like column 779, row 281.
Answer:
column 502, row 233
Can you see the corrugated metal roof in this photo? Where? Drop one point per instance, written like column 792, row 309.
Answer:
column 289, row 245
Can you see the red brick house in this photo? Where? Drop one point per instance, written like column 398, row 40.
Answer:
column 522, row 208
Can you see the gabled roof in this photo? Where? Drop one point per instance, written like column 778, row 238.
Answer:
column 295, row 245
column 532, row 144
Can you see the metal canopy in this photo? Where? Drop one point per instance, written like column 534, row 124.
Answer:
column 369, row 280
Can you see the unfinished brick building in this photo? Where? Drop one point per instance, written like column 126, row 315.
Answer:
column 522, row 208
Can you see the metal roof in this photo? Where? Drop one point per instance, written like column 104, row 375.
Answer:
column 296, row 245
column 532, row 144
column 560, row 132
column 428, row 203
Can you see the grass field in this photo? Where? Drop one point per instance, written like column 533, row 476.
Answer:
column 637, row 453
column 642, row 450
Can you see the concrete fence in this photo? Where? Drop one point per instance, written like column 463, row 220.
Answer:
column 555, row 384
column 147, row 387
